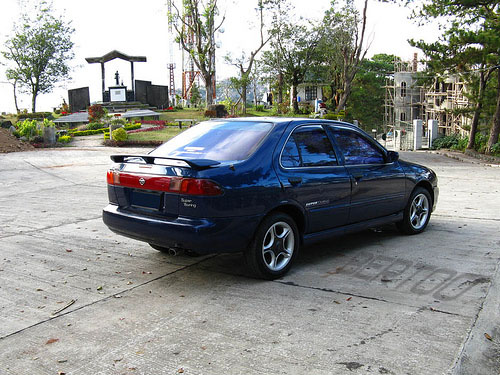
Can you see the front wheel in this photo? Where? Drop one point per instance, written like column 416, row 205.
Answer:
column 275, row 246
column 417, row 212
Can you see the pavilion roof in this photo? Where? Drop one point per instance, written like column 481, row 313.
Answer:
column 115, row 55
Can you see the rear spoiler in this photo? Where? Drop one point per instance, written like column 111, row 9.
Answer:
column 149, row 159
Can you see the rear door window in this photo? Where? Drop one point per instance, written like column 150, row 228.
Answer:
column 216, row 140
column 308, row 146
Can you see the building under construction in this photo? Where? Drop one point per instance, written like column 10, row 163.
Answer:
column 407, row 100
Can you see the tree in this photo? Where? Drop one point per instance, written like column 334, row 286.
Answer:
column 469, row 45
column 245, row 63
column 195, row 30
column 343, row 47
column 293, row 50
column 195, row 96
column 39, row 51
column 366, row 102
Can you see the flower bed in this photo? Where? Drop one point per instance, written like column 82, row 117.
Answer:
column 146, row 129
column 154, row 122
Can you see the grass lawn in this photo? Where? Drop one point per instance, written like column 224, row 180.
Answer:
column 159, row 135
column 186, row 113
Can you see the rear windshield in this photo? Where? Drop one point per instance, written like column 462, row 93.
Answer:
column 216, row 140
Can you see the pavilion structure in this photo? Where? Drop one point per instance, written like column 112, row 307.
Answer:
column 118, row 92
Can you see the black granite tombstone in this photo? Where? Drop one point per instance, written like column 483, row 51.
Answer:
column 154, row 95
column 79, row 99
column 158, row 96
column 141, row 91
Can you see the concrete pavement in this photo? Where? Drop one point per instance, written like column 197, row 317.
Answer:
column 78, row 299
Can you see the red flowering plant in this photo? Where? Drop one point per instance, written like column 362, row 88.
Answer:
column 146, row 129
column 96, row 113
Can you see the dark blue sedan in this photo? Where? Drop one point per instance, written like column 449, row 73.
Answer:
column 264, row 187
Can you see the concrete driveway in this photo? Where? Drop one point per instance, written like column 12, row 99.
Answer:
column 78, row 299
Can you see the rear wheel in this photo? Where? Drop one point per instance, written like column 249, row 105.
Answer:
column 274, row 248
column 417, row 212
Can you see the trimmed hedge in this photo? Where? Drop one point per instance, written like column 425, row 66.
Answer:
column 79, row 133
column 36, row 115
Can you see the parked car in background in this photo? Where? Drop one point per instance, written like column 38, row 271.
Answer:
column 265, row 187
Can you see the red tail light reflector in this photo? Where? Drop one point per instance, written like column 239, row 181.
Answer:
column 187, row 186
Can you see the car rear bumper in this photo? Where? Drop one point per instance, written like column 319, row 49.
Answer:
column 202, row 235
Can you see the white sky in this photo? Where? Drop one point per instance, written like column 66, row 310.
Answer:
column 139, row 28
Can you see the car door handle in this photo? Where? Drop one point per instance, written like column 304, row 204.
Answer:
column 295, row 180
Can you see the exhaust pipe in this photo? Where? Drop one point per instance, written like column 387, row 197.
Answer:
column 175, row 251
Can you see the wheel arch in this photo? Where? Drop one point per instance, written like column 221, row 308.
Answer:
column 295, row 213
column 427, row 186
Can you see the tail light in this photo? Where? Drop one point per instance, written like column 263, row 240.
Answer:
column 180, row 185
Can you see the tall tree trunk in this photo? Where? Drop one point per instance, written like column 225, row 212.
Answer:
column 255, row 100
column 477, row 110
column 33, row 103
column 495, row 128
column 280, row 88
column 244, row 99
column 14, row 85
column 295, row 103
column 209, row 95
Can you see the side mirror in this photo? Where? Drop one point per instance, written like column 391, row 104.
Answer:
column 384, row 137
column 392, row 156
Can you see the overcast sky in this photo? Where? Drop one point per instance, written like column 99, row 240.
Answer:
column 139, row 28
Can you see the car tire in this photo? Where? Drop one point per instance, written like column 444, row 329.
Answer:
column 417, row 212
column 274, row 247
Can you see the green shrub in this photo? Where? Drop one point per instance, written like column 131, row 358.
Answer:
column 36, row 115
column 461, row 144
column 119, row 121
column 79, row 133
column 331, row 116
column 259, row 108
column 95, row 126
column 119, row 135
column 495, row 149
column 480, row 143
column 446, row 142
column 133, row 126
column 27, row 129
column 48, row 123
column 64, row 139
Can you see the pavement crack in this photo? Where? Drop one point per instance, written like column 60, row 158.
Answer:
column 328, row 290
column 106, row 298
column 50, row 174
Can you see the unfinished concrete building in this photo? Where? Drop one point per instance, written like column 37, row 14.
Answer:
column 406, row 100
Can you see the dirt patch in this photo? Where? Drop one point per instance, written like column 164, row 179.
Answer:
column 9, row 143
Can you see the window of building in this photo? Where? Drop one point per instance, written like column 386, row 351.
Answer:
column 402, row 116
column 403, row 89
column 311, row 92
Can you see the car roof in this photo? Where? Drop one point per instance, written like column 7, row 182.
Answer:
column 291, row 120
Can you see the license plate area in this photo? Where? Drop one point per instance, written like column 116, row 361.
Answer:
column 148, row 200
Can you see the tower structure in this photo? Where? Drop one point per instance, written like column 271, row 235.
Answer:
column 171, row 63
column 189, row 74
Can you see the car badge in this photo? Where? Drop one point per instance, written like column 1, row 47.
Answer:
column 142, row 181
